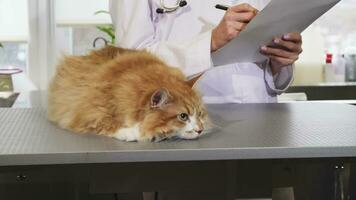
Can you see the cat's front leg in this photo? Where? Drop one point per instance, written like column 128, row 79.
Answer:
column 128, row 134
column 158, row 135
column 134, row 133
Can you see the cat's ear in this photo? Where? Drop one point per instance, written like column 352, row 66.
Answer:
column 159, row 98
column 193, row 81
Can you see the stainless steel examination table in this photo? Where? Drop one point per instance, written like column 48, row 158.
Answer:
column 258, row 146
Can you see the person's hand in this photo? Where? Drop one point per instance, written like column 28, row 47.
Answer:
column 234, row 21
column 283, row 51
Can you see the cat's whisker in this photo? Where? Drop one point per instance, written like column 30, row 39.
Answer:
column 212, row 125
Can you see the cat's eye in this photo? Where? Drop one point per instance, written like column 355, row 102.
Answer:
column 183, row 117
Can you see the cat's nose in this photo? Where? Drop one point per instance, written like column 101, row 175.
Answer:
column 199, row 131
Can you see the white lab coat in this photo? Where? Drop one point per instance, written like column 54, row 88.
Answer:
column 183, row 39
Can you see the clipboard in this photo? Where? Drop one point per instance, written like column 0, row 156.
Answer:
column 276, row 19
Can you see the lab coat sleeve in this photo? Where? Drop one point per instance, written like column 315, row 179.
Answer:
column 280, row 82
column 135, row 28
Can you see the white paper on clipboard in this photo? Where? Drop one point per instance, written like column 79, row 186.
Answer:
column 276, row 19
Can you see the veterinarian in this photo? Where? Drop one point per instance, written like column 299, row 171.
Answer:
column 186, row 33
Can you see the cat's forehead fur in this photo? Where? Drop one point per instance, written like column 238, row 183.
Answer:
column 184, row 99
column 184, row 107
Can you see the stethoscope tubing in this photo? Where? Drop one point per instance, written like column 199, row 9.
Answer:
column 170, row 8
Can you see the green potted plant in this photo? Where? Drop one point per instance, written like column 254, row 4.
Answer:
column 1, row 46
column 109, row 30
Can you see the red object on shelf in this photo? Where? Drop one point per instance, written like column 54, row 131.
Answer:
column 329, row 58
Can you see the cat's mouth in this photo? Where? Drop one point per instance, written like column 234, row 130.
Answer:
column 190, row 135
column 186, row 135
column 193, row 132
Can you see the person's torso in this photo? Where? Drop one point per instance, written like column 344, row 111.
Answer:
column 239, row 83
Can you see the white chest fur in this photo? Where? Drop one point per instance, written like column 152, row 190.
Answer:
column 128, row 134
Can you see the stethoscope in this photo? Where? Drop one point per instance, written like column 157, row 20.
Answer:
column 167, row 9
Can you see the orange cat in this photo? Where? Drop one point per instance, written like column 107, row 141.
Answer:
column 125, row 94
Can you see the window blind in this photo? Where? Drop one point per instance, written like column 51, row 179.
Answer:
column 81, row 12
column 14, row 21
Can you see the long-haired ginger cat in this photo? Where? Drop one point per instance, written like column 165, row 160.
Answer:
column 125, row 94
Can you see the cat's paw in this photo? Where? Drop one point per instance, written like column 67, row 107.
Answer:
column 125, row 139
column 159, row 137
column 131, row 134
